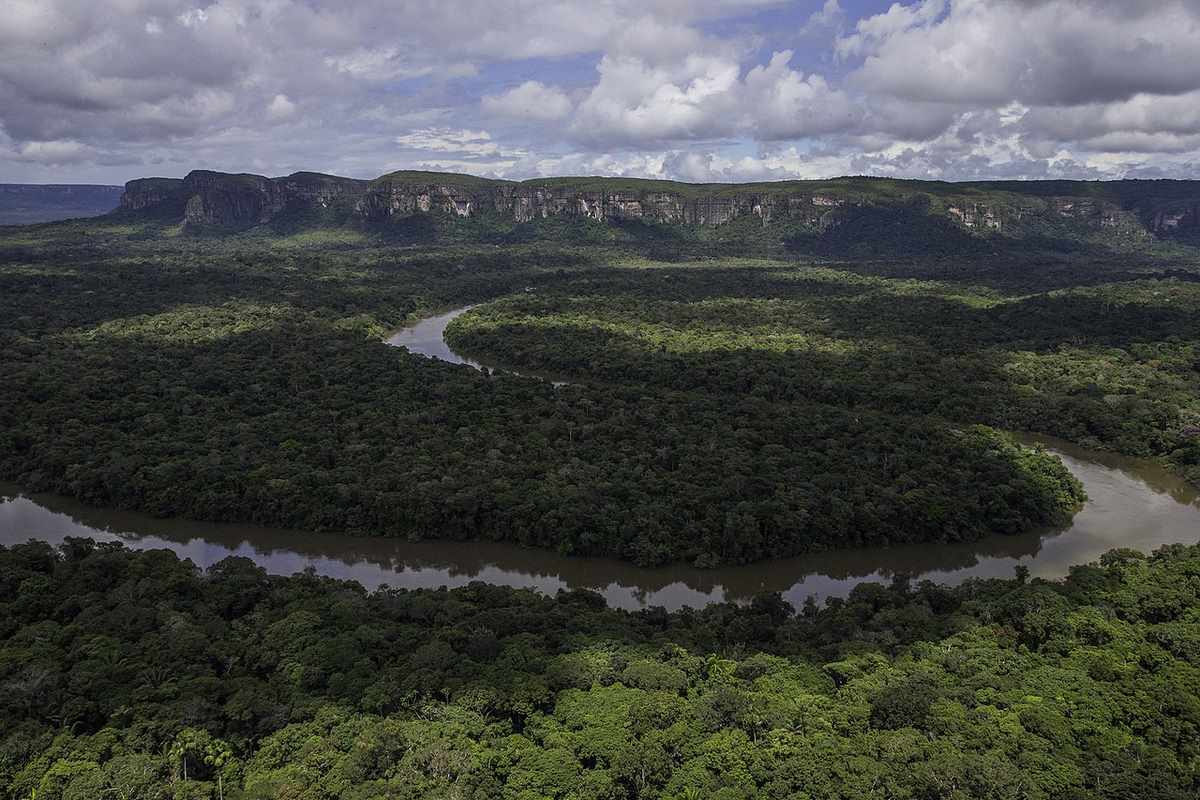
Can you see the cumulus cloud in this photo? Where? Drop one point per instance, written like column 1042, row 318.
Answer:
column 1033, row 51
column 1150, row 117
column 695, row 89
column 532, row 100
column 461, row 143
column 827, row 16
column 280, row 108
column 783, row 103
column 708, row 97
column 708, row 167
column 55, row 153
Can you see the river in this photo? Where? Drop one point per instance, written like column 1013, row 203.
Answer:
column 1132, row 503
column 427, row 337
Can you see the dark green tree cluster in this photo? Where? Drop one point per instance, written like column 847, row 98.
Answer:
column 245, row 414
column 133, row 675
column 233, row 379
column 1113, row 366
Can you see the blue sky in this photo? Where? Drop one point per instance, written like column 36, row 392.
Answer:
column 699, row 90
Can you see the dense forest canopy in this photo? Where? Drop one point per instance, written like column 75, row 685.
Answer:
column 733, row 394
column 133, row 675
column 244, row 379
column 1112, row 365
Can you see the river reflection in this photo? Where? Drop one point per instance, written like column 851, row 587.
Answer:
column 1132, row 503
column 427, row 338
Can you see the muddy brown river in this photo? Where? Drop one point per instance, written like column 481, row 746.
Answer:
column 1132, row 503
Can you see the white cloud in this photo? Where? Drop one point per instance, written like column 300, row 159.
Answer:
column 635, row 101
column 872, row 31
column 827, row 16
column 782, row 103
column 707, row 97
column 462, row 143
column 377, row 64
column 531, row 100
column 280, row 108
column 1035, row 51
column 707, row 167
column 55, row 152
column 1142, row 113
column 193, row 17
column 686, row 88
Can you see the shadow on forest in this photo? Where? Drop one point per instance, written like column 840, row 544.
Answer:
column 923, row 356
column 869, row 311
column 300, row 426
column 98, row 291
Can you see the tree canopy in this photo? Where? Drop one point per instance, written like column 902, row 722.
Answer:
column 135, row 674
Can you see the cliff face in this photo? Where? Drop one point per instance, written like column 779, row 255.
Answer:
column 525, row 202
column 213, row 200
column 146, row 193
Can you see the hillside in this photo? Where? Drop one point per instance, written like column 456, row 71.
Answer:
column 26, row 203
column 843, row 216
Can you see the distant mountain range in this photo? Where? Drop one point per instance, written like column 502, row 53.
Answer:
column 27, row 203
column 847, row 216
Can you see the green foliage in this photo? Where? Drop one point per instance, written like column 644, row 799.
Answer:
column 1109, row 365
column 243, row 380
column 132, row 674
column 718, row 411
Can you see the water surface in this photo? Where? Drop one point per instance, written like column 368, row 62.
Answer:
column 426, row 337
column 1132, row 503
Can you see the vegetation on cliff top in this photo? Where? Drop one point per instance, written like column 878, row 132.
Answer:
column 846, row 217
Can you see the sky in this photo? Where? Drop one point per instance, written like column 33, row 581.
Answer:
column 102, row 91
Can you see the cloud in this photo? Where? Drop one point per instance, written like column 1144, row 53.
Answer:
column 1142, row 123
column 701, row 89
column 871, row 32
column 461, row 143
column 708, row 167
column 829, row 15
column 378, row 64
column 1039, row 52
column 781, row 103
column 280, row 108
column 532, row 100
column 55, row 153
column 708, row 97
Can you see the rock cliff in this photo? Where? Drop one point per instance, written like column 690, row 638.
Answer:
column 213, row 200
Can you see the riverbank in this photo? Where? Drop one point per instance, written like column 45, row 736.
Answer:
column 1131, row 503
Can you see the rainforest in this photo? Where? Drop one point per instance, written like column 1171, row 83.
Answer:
column 133, row 675
column 677, row 374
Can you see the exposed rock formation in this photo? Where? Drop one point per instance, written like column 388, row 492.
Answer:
column 216, row 200
column 976, row 215
column 1175, row 218
column 149, row 192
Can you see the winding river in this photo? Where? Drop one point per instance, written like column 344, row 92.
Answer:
column 427, row 337
column 1132, row 503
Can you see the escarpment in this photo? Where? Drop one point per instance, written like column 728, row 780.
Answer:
column 1133, row 210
